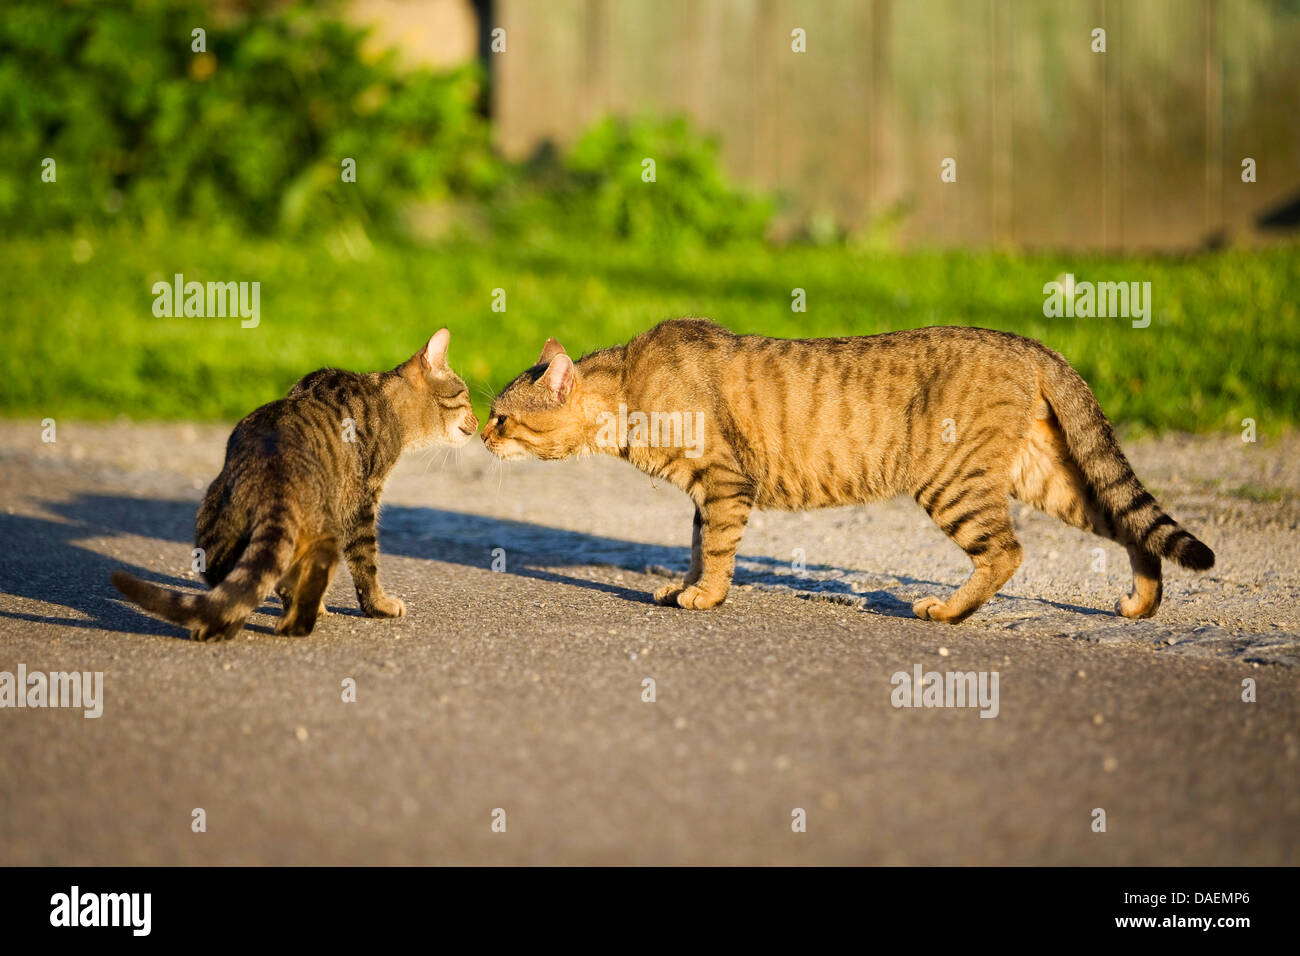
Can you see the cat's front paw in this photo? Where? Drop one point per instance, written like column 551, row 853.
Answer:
column 690, row 597
column 697, row 599
column 667, row 595
column 932, row 609
column 386, row 606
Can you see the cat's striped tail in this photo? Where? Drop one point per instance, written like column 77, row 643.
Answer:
column 221, row 612
column 1110, row 477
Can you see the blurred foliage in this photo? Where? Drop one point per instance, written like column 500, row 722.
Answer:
column 600, row 188
column 254, row 129
column 171, row 161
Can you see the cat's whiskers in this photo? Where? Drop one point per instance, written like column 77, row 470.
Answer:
column 430, row 453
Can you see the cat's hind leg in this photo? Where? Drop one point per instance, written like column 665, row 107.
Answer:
column 287, row 587
column 981, row 528
column 1046, row 476
column 227, row 631
column 221, row 536
column 315, row 568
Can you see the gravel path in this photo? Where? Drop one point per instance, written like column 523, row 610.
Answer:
column 523, row 690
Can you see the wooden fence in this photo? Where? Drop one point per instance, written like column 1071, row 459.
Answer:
column 1056, row 146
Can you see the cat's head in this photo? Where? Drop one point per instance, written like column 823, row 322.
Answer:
column 539, row 414
column 430, row 399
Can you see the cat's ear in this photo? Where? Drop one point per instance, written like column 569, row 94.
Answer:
column 434, row 354
column 559, row 377
column 551, row 349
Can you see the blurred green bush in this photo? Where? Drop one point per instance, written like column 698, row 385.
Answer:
column 599, row 188
column 254, row 130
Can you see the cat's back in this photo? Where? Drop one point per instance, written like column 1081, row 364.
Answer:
column 946, row 343
column 301, row 427
column 703, row 340
column 693, row 362
column 686, row 338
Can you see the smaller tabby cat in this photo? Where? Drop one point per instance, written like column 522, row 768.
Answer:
column 959, row 418
column 301, row 484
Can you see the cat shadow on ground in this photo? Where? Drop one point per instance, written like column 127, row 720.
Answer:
column 533, row 550
column 48, row 561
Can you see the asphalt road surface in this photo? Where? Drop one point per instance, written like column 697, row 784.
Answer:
column 517, row 694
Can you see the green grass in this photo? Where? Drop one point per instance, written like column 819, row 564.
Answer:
column 81, row 340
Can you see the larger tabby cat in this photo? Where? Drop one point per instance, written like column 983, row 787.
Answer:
column 301, row 484
column 958, row 418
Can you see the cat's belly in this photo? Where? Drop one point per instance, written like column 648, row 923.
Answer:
column 800, row 492
column 789, row 484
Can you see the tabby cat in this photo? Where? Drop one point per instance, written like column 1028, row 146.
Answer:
column 959, row 418
column 301, row 484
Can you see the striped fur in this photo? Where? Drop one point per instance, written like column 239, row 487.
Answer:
column 301, row 487
column 959, row 418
